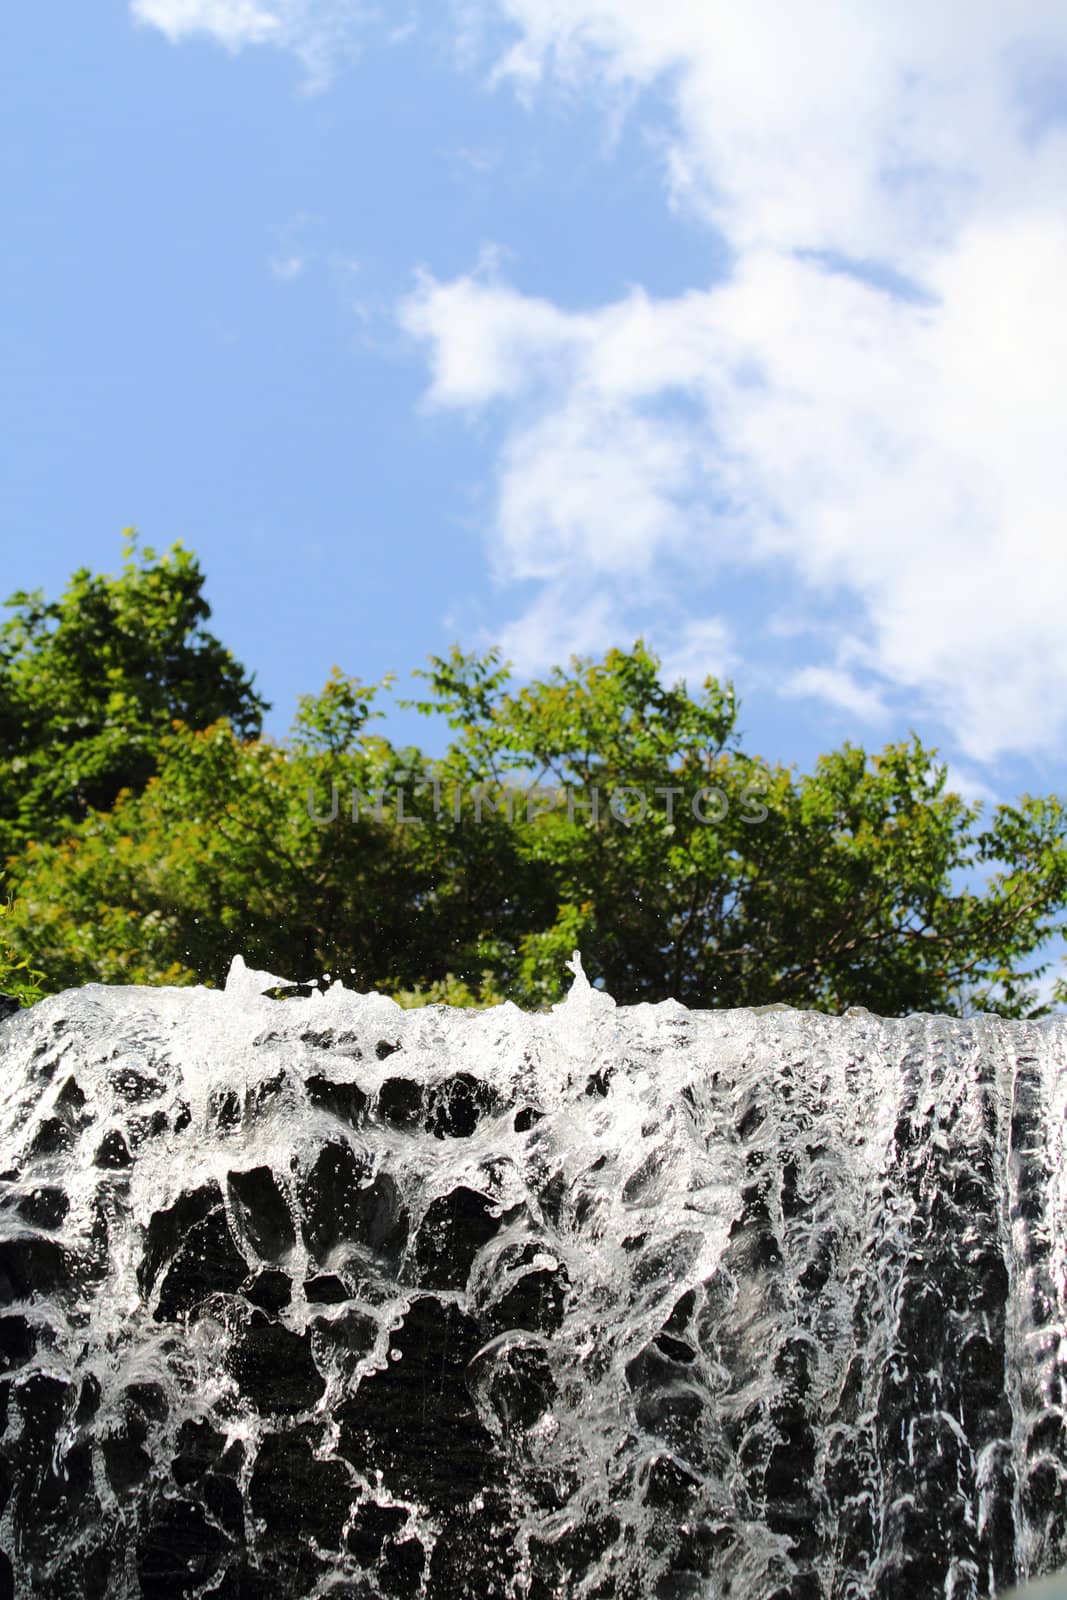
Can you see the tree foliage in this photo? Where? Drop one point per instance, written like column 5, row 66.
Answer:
column 92, row 682
column 18, row 980
column 596, row 808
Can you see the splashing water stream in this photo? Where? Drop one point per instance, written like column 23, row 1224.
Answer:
column 324, row 1297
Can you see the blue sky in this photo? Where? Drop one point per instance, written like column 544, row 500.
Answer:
column 510, row 322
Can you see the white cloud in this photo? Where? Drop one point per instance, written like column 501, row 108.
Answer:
column 232, row 23
column 959, row 780
column 883, row 451
column 702, row 647
column 840, row 689
column 287, row 268
column 832, row 126
column 896, row 455
column 497, row 339
column 318, row 32
column 899, row 455
column 566, row 621
column 557, row 626
column 478, row 159
column 598, row 488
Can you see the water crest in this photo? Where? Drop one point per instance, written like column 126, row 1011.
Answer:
column 317, row 1296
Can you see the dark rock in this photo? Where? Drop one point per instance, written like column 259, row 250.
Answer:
column 450, row 1455
column 382, row 1220
column 222, row 1497
column 681, row 1316
column 557, row 1563
column 343, row 1043
column 18, row 1342
column 113, row 1152
column 126, row 1460
column 269, row 1289
column 31, row 1265
column 535, row 1300
column 88, row 1399
column 52, row 1483
column 667, row 1484
column 402, row 1567
column 152, row 1126
column 454, row 1228
column 44, row 1208
column 659, row 1364
column 299, row 1496
column 193, row 1235
column 135, row 1086
column 168, row 1227
column 264, row 1096
column 399, row 1103
column 675, row 1349
column 224, row 1108
column 473, row 1554
column 261, row 1212
column 552, row 1195
column 676, row 1415
column 342, row 1207
column 274, row 1367
column 326, row 1289
column 87, row 1574
column 342, row 1340
column 53, row 1136
column 179, row 1551
column 371, row 1526
column 149, row 1398
column 454, row 1108
column 199, row 1446
column 345, row 1100
column 70, row 1102
column 331, row 1199
column 514, row 1377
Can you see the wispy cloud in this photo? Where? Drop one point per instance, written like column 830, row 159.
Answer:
column 320, row 33
column 868, row 130
column 287, row 268
column 479, row 160
column 296, row 247
column 872, row 402
column 838, row 688
column 969, row 787
column 700, row 647
column 233, row 23
column 870, row 405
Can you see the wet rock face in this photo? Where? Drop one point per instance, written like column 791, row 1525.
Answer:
column 316, row 1297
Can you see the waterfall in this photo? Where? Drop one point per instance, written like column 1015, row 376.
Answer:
column 316, row 1296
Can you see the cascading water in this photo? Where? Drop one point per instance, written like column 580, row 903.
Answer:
column 323, row 1297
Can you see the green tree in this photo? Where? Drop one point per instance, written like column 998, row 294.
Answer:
column 90, row 683
column 716, row 877
column 830, row 889
column 18, row 981
column 226, row 851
